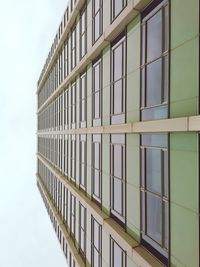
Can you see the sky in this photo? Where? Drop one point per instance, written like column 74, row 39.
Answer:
column 27, row 30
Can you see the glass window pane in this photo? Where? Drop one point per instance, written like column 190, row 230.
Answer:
column 166, row 28
column 153, row 170
column 143, row 88
column 118, row 97
column 153, row 86
column 117, row 257
column 96, row 234
column 166, row 79
column 143, row 43
column 117, row 161
column 96, row 77
column 82, row 241
column 82, row 217
column 142, row 160
column 166, row 225
column 117, row 66
column 97, row 153
column 154, row 219
column 83, row 45
column 155, row 113
column 158, row 140
column 165, row 155
column 154, row 36
column 118, row 5
column 97, row 106
column 97, row 183
column 83, row 22
column 143, row 210
column 117, row 195
column 96, row 5
column 96, row 258
column 97, row 23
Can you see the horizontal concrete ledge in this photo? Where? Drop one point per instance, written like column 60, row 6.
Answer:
column 166, row 125
column 183, row 124
column 68, row 239
column 144, row 259
column 194, row 124
column 136, row 252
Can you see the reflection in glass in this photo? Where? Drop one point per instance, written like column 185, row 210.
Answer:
column 154, row 219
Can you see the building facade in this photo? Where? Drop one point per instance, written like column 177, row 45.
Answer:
column 118, row 133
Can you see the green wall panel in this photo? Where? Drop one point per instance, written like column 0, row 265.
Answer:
column 184, row 182
column 184, row 79
column 184, row 21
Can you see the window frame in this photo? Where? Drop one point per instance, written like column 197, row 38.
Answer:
column 96, row 138
column 119, row 218
column 82, row 229
column 73, row 215
column 73, row 103
column 113, row 16
column 148, row 13
column 124, row 254
column 83, row 101
column 84, row 34
column 152, row 245
column 83, row 139
column 97, row 121
column 73, row 47
column 99, row 250
column 73, row 158
column 100, row 13
column 121, row 39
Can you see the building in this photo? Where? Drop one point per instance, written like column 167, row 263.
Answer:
column 118, row 142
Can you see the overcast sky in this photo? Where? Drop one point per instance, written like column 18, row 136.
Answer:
column 27, row 29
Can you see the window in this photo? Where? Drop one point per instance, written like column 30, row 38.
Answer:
column 71, row 260
column 73, row 158
column 82, row 230
column 118, row 181
column 154, row 194
column 83, row 32
column 97, row 92
column 96, row 244
column 65, row 115
column 96, row 168
column 83, row 161
column 73, row 105
column 65, row 205
column 83, row 99
column 73, row 47
column 155, row 62
column 72, row 4
column 117, row 255
column 116, row 7
column 97, row 19
column 66, row 58
column 72, row 215
column 118, row 76
column 65, row 155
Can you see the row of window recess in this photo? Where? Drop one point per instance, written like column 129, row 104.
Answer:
column 66, row 205
column 63, row 111
column 63, row 242
column 68, row 153
column 68, row 56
